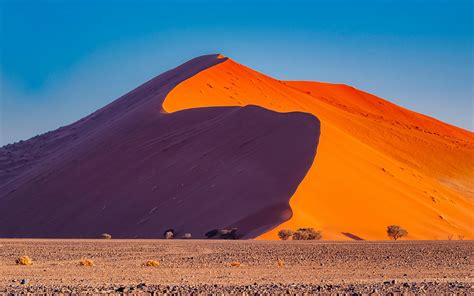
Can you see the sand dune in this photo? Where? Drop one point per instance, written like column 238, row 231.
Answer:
column 214, row 144
column 377, row 163
column 132, row 170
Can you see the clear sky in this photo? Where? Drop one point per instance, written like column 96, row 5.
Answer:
column 63, row 59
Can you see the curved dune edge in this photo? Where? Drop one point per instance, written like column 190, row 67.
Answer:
column 377, row 163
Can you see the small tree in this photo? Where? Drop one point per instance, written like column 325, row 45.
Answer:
column 395, row 232
column 285, row 234
column 307, row 234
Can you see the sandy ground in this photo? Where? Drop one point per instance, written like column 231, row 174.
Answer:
column 203, row 266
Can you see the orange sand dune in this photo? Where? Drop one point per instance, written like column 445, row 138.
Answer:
column 377, row 163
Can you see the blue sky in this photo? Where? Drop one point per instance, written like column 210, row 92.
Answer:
column 61, row 60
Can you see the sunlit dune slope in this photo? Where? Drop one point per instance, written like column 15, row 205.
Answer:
column 376, row 164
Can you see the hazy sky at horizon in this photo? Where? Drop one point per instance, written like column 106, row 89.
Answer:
column 61, row 60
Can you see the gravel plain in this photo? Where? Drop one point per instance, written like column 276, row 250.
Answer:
column 236, row 267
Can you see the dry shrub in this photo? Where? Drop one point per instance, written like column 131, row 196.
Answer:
column 225, row 233
column 86, row 262
column 105, row 236
column 235, row 264
column 24, row 260
column 395, row 232
column 168, row 234
column 152, row 263
column 307, row 234
column 212, row 233
column 187, row 236
column 228, row 233
column 281, row 263
column 285, row 234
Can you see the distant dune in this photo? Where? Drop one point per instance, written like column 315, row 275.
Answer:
column 213, row 144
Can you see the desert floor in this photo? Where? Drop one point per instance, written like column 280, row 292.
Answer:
column 204, row 266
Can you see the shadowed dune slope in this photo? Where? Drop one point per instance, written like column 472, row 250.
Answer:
column 132, row 170
column 377, row 163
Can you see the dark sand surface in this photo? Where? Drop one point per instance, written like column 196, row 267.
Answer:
column 202, row 266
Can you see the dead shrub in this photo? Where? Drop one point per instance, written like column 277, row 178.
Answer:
column 86, row 262
column 228, row 233
column 24, row 260
column 235, row 264
column 187, row 236
column 224, row 233
column 152, row 263
column 212, row 233
column 307, row 234
column 285, row 234
column 168, row 234
column 106, row 236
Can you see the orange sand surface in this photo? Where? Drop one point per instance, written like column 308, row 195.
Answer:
column 377, row 163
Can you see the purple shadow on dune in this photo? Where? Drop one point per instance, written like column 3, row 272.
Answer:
column 133, row 171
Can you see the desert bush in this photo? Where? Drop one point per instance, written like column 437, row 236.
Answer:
column 461, row 236
column 450, row 237
column 168, row 234
column 306, row 234
column 187, row 236
column 285, row 234
column 280, row 263
column 212, row 233
column 152, row 263
column 105, row 236
column 235, row 264
column 228, row 233
column 395, row 232
column 86, row 262
column 223, row 233
column 24, row 260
